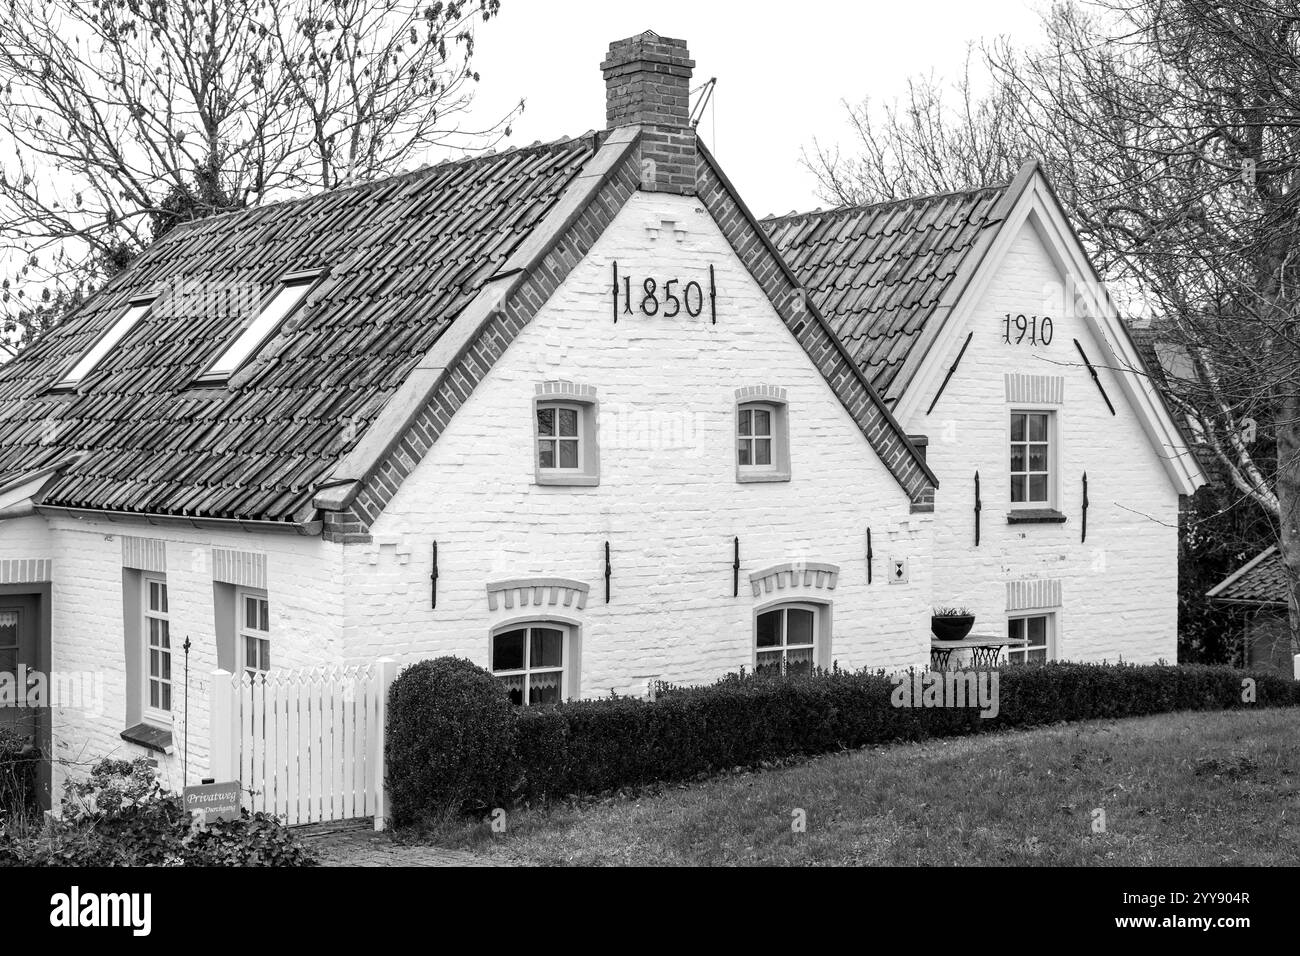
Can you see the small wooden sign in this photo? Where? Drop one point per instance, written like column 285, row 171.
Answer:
column 215, row 801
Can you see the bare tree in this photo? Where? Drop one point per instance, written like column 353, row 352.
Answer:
column 1171, row 130
column 122, row 119
column 935, row 139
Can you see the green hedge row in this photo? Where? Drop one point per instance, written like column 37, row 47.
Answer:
column 743, row 721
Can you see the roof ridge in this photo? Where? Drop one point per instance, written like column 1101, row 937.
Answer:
column 863, row 207
column 426, row 169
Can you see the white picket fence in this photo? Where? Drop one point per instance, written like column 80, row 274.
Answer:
column 305, row 745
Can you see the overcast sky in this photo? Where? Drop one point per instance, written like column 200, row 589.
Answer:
column 783, row 69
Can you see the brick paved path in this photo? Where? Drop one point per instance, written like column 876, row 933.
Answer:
column 358, row 847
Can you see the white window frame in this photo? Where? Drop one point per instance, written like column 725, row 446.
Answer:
column 566, row 654
column 152, row 714
column 288, row 298
column 1051, row 473
column 136, row 310
column 753, row 438
column 558, row 406
column 778, row 469
column 1020, row 654
column 246, row 632
column 784, row 609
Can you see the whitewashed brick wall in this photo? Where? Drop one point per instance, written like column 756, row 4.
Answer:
column 1119, row 590
column 668, row 501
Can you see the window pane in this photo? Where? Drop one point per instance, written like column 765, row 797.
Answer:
column 264, row 615
column 164, row 634
column 743, row 451
column 166, row 666
column 1037, row 655
column 569, row 422
column 1017, row 487
column 746, row 421
column 250, row 653
column 798, row 626
column 1017, row 457
column 266, row 654
column 1037, row 630
column 515, row 688
column 153, row 693
column 1017, row 427
column 1037, row 457
column 768, row 661
column 1037, row 487
column 508, row 651
column 799, row 661
column 762, row 422
column 769, row 629
column 1038, row 428
column 1015, row 629
column 568, row 454
column 544, row 688
column 763, row 451
column 547, row 648
column 546, row 454
column 546, row 421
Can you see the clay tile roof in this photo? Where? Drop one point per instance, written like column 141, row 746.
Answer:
column 878, row 273
column 405, row 254
column 1261, row 581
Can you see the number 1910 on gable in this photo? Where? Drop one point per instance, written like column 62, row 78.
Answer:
column 665, row 298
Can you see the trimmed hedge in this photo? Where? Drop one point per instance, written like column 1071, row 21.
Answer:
column 598, row 746
column 450, row 741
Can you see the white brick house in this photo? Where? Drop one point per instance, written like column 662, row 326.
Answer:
column 564, row 411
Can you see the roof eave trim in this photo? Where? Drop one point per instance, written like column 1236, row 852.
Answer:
column 767, row 242
column 381, row 438
column 309, row 529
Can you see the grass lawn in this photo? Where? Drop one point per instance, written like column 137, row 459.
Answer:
column 1181, row 789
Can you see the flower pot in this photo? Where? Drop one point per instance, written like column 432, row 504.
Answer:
column 952, row 628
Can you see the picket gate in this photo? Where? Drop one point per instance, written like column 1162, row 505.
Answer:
column 306, row 745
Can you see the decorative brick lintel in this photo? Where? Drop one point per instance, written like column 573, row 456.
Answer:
column 796, row 574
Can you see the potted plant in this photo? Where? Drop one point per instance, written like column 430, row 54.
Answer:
column 951, row 623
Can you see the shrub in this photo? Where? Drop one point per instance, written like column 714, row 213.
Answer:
column 450, row 741
column 19, row 762
column 598, row 746
column 120, row 816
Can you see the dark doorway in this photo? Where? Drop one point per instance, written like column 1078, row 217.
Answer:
column 25, row 652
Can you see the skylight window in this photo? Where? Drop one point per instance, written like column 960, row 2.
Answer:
column 134, row 313
column 293, row 290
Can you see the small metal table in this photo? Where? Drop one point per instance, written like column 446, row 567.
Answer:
column 985, row 649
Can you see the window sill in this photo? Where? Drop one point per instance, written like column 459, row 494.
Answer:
column 1035, row 516
column 150, row 737
column 760, row 477
column 567, row 481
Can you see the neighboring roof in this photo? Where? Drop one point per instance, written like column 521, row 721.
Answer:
column 1165, row 363
column 1261, row 581
column 880, row 273
column 405, row 255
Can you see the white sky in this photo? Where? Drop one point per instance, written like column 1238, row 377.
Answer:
column 783, row 69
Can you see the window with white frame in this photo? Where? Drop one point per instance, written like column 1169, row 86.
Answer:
column 1037, row 631
column 756, row 436
column 532, row 660
column 136, row 311
column 254, row 630
column 559, row 437
column 785, row 639
column 158, row 648
column 1031, row 459
column 293, row 289
column 762, row 445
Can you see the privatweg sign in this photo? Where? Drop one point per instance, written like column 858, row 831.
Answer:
column 216, row 801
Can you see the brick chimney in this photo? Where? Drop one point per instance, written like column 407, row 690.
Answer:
column 647, row 83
